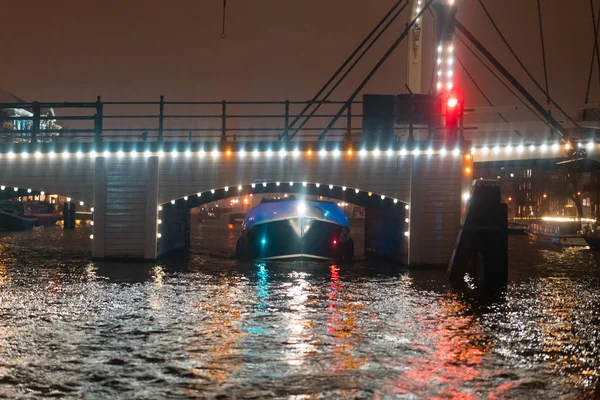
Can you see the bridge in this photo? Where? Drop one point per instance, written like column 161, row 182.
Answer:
column 136, row 188
column 143, row 165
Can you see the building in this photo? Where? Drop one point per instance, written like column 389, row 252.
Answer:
column 542, row 189
column 19, row 130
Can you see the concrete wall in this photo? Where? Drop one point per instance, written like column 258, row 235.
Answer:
column 72, row 177
column 125, row 216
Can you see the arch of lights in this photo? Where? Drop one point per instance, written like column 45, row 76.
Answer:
column 248, row 190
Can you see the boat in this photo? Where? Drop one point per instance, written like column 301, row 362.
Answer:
column 558, row 231
column 592, row 236
column 44, row 212
column 12, row 217
column 287, row 229
column 237, row 218
column 517, row 229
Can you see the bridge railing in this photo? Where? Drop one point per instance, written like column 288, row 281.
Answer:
column 158, row 121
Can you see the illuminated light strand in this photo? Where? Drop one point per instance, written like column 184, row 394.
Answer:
column 363, row 152
column 532, row 148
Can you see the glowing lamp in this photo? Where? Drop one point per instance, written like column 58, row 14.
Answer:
column 302, row 208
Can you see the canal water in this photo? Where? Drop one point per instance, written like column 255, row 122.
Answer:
column 205, row 326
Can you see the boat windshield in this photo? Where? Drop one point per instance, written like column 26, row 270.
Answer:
column 292, row 209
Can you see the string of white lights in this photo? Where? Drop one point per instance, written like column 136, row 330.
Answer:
column 335, row 153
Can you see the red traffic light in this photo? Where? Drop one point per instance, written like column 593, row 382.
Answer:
column 452, row 102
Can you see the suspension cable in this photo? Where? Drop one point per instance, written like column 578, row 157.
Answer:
column 472, row 79
column 460, row 39
column 539, row 7
column 524, row 67
column 595, row 28
column 223, row 34
column 344, row 64
column 339, row 82
column 595, row 53
column 373, row 71
column 434, row 67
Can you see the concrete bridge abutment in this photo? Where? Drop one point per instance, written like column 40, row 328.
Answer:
column 126, row 204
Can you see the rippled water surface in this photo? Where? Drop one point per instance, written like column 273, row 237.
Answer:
column 208, row 326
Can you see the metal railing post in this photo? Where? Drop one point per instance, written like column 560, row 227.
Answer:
column 161, row 115
column 411, row 126
column 349, row 123
column 223, row 121
column 98, row 122
column 35, row 122
column 286, row 118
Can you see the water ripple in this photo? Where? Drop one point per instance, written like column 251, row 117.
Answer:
column 201, row 326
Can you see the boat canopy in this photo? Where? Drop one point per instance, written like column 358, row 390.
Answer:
column 275, row 210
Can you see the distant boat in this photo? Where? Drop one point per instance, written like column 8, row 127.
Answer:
column 237, row 218
column 12, row 217
column 558, row 231
column 517, row 229
column 592, row 237
column 45, row 212
column 295, row 229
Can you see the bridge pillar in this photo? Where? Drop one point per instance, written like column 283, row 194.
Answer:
column 174, row 228
column 436, row 187
column 384, row 233
column 125, row 202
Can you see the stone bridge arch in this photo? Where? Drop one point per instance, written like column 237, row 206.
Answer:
column 69, row 175
column 181, row 176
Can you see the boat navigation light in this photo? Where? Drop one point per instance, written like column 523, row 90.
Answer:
column 302, row 208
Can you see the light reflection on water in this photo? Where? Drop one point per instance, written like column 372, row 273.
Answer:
column 201, row 326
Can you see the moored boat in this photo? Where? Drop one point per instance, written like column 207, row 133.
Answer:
column 295, row 229
column 12, row 217
column 45, row 212
column 592, row 236
column 558, row 231
column 517, row 229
